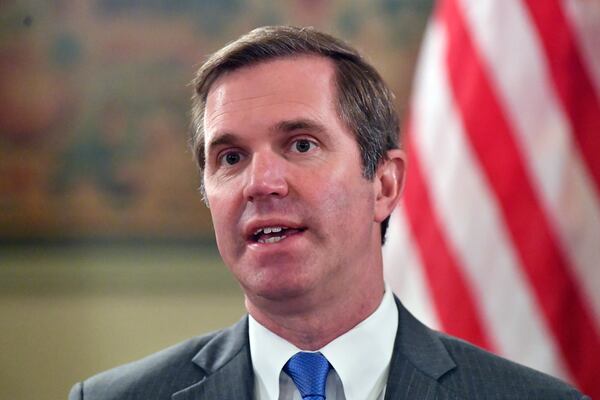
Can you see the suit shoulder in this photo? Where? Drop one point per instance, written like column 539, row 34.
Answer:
column 160, row 374
column 486, row 375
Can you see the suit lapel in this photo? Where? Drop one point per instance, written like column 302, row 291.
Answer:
column 228, row 367
column 419, row 360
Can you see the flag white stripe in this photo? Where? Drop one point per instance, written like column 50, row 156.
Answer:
column 404, row 271
column 543, row 133
column 585, row 20
column 490, row 264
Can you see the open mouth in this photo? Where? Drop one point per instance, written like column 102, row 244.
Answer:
column 273, row 234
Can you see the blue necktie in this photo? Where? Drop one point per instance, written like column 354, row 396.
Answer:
column 309, row 373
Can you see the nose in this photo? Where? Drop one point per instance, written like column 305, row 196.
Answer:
column 265, row 177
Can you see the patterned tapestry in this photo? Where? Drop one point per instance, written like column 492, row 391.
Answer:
column 94, row 103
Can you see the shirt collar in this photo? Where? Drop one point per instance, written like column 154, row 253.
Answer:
column 269, row 354
column 360, row 357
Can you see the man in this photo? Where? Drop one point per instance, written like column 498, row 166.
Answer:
column 296, row 138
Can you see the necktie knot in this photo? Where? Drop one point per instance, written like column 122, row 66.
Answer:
column 309, row 373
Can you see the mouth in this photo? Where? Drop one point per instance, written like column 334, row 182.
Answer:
column 273, row 234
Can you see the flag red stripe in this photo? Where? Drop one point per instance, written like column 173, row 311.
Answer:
column 449, row 289
column 488, row 130
column 573, row 84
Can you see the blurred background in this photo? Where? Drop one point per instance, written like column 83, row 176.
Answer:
column 106, row 249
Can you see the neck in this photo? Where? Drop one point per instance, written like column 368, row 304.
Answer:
column 310, row 324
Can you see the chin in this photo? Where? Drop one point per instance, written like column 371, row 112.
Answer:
column 277, row 290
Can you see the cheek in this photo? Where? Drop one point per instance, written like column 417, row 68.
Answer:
column 343, row 202
column 222, row 209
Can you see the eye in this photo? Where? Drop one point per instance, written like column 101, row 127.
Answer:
column 303, row 145
column 230, row 158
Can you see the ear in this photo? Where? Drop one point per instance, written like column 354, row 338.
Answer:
column 389, row 182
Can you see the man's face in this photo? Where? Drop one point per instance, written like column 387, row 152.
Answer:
column 293, row 214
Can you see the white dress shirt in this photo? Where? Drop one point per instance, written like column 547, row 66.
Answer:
column 360, row 358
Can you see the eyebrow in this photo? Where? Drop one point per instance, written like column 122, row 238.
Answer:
column 224, row 139
column 301, row 124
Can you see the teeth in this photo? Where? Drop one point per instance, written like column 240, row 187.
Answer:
column 267, row 230
column 273, row 239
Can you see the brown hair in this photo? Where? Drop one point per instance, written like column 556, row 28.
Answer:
column 364, row 103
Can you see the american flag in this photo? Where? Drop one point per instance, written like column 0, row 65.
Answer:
column 497, row 238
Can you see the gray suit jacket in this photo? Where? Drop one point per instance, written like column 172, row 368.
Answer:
column 425, row 365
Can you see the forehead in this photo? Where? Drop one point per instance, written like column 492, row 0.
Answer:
column 292, row 87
